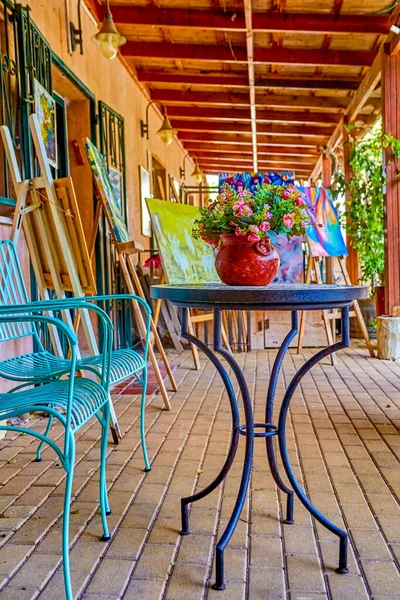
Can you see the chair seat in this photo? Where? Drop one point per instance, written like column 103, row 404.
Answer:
column 36, row 366
column 88, row 398
column 42, row 366
column 124, row 362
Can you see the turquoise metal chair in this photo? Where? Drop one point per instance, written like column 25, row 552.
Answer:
column 72, row 401
column 43, row 366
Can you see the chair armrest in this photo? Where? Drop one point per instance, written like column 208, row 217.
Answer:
column 64, row 304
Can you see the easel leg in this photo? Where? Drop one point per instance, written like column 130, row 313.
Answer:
column 142, row 327
column 356, row 306
column 303, row 314
column 195, row 352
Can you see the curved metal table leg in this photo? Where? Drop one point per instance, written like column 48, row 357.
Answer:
column 235, row 424
column 342, row 568
column 269, row 412
column 248, row 430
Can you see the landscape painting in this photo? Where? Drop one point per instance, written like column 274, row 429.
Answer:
column 184, row 259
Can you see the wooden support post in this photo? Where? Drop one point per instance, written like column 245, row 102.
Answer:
column 353, row 267
column 391, row 124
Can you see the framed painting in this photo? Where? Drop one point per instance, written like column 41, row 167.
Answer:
column 145, row 192
column 45, row 108
column 105, row 191
column 184, row 259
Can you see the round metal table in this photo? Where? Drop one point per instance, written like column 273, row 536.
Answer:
column 280, row 297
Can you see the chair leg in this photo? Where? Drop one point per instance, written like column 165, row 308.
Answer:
column 39, row 449
column 67, row 503
column 147, row 467
column 104, row 505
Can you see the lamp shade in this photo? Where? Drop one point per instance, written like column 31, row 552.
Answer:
column 197, row 173
column 166, row 131
column 108, row 37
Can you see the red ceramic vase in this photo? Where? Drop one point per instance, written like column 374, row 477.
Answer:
column 240, row 262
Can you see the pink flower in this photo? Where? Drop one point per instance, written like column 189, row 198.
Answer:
column 268, row 215
column 247, row 211
column 264, row 226
column 286, row 194
column 299, row 202
column 288, row 221
column 253, row 237
column 238, row 204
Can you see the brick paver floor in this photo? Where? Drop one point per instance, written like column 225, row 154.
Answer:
column 344, row 442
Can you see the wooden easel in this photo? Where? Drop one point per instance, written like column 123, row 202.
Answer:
column 313, row 267
column 125, row 252
column 39, row 211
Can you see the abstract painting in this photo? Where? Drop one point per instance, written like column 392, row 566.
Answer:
column 325, row 238
column 291, row 268
column 184, row 259
column 105, row 191
column 45, row 108
column 250, row 181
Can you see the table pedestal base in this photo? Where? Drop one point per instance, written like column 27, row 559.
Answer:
column 269, row 430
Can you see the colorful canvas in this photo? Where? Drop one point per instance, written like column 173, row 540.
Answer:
column 184, row 259
column 104, row 188
column 291, row 268
column 328, row 239
column 250, row 181
column 45, row 108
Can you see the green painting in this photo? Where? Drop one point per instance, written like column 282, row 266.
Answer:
column 184, row 259
column 105, row 190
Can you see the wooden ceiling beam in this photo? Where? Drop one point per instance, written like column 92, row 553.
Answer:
column 197, row 149
column 238, row 54
column 231, row 20
column 241, row 81
column 237, row 138
column 262, row 128
column 266, row 100
column 300, row 160
column 247, row 166
column 251, row 74
column 265, row 115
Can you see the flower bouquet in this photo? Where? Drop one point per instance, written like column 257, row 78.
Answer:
column 237, row 224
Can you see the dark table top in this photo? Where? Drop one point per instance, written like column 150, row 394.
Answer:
column 279, row 296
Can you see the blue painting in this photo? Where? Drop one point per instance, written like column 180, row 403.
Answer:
column 249, row 181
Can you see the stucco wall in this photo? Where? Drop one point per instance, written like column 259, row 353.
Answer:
column 111, row 83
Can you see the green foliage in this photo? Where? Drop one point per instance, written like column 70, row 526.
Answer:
column 280, row 209
column 365, row 207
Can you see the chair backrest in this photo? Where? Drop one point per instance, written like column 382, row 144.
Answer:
column 12, row 292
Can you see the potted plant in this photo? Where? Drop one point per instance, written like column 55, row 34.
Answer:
column 237, row 224
column 365, row 209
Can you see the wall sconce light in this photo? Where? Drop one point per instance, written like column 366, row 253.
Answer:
column 75, row 33
column 197, row 173
column 166, row 131
column 182, row 171
column 108, row 37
